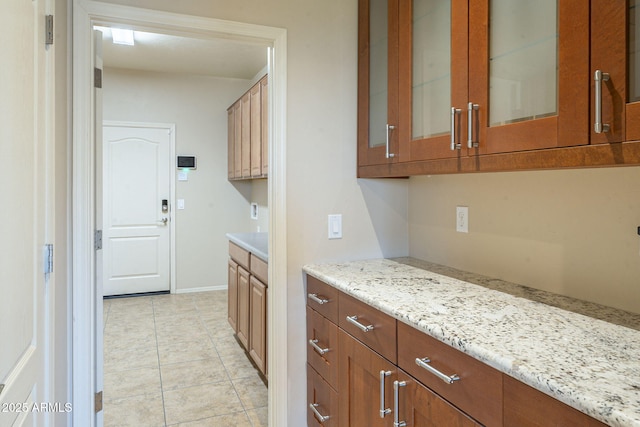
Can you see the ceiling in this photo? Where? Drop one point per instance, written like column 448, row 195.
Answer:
column 219, row 57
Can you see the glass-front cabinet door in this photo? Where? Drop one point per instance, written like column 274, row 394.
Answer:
column 433, row 82
column 529, row 73
column 377, row 82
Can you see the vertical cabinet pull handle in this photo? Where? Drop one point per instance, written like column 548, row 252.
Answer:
column 424, row 363
column 598, row 126
column 319, row 299
column 389, row 129
column 363, row 328
column 454, row 111
column 471, row 107
column 396, row 403
column 383, row 411
column 319, row 416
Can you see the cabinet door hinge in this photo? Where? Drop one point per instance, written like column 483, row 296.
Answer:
column 98, row 401
column 48, row 258
column 97, row 240
column 48, row 30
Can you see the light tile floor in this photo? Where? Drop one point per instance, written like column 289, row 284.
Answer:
column 172, row 360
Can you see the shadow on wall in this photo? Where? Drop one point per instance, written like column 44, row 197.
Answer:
column 387, row 202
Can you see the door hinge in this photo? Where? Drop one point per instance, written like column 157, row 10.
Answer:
column 48, row 30
column 97, row 240
column 48, row 258
column 98, row 401
column 97, row 78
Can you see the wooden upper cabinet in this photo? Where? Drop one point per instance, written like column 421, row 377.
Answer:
column 377, row 82
column 231, row 142
column 529, row 74
column 237, row 131
column 264, row 128
column 245, row 102
column 256, row 132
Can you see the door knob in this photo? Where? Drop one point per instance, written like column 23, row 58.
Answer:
column 163, row 221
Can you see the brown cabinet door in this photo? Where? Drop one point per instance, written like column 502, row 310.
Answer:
column 360, row 385
column 232, row 299
column 237, row 140
column 529, row 74
column 245, row 102
column 258, row 324
column 420, row 407
column 243, row 307
column 256, row 132
column 322, row 346
column 231, row 126
column 525, row 406
column 264, row 129
column 322, row 401
column 377, row 82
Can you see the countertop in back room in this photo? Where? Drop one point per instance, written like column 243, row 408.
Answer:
column 583, row 354
column 256, row 243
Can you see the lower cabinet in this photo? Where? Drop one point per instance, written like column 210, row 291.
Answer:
column 431, row 384
column 247, row 303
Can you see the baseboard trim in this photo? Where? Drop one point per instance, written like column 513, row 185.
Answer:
column 202, row 289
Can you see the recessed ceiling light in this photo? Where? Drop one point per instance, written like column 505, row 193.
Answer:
column 122, row 36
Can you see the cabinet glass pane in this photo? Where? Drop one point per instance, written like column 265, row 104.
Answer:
column 431, row 62
column 523, row 49
column 634, row 48
column 378, row 42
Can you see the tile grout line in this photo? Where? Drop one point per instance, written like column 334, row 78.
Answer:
column 155, row 334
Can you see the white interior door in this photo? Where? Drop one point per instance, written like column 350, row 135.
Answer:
column 137, row 208
column 25, row 149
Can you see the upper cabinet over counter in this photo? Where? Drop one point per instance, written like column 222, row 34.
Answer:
column 247, row 134
column 448, row 86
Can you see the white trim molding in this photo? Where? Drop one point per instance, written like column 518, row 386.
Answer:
column 86, row 14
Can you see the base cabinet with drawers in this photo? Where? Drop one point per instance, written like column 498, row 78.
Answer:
column 364, row 368
column 247, row 303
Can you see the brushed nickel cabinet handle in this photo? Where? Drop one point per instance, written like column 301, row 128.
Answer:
column 363, row 328
column 316, row 347
column 598, row 126
column 383, row 411
column 389, row 155
column 319, row 299
column 319, row 416
column 471, row 107
column 454, row 112
column 396, row 403
column 424, row 363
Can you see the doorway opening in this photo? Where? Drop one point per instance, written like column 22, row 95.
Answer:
column 87, row 320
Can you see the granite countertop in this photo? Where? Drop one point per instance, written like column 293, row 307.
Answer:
column 256, row 243
column 583, row 354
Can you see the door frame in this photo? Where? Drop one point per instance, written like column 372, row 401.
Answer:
column 87, row 13
column 171, row 127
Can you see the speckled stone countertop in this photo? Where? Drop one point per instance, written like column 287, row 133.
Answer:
column 256, row 243
column 583, row 354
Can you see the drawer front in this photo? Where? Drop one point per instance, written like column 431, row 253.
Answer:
column 260, row 269
column 525, row 406
column 322, row 298
column 239, row 255
column 478, row 391
column 324, row 400
column 381, row 336
column 322, row 346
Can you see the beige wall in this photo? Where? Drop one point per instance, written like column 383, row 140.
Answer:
column 213, row 205
column 572, row 232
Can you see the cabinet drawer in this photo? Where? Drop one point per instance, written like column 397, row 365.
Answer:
column 239, row 255
column 323, row 399
column 525, row 406
column 322, row 298
column 380, row 335
column 260, row 269
column 323, row 334
column 478, row 391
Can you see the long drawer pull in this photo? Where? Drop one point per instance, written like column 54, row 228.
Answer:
column 363, row 328
column 316, row 347
column 319, row 299
column 319, row 416
column 396, row 403
column 383, row 411
column 424, row 363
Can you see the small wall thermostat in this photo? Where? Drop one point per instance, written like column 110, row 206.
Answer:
column 186, row 162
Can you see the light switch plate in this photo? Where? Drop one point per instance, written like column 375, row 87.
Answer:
column 462, row 219
column 335, row 226
column 180, row 204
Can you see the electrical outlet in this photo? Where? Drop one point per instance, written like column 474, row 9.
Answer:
column 462, row 219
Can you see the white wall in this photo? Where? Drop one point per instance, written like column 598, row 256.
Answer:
column 213, row 205
column 572, row 232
